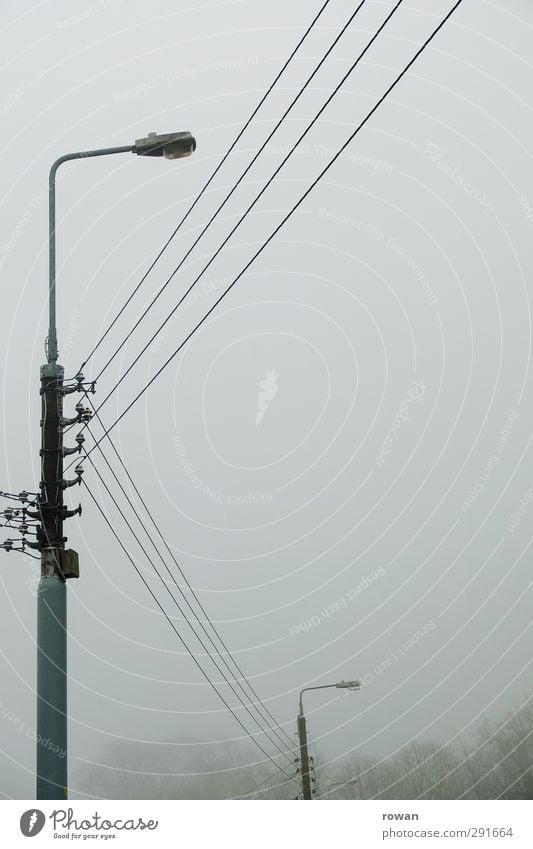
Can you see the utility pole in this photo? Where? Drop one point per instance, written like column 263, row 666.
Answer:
column 302, row 733
column 51, row 596
column 57, row 565
column 304, row 756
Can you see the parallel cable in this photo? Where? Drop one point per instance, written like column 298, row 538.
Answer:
column 182, row 641
column 209, row 181
column 229, row 195
column 189, row 586
column 257, row 198
column 267, row 789
column 284, row 220
column 201, row 624
column 180, row 609
column 208, row 313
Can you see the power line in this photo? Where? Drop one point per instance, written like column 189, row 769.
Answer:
column 261, row 783
column 267, row 789
column 309, row 126
column 258, row 196
column 204, row 629
column 284, row 220
column 188, row 650
column 183, row 575
column 228, row 196
column 209, row 181
column 193, row 629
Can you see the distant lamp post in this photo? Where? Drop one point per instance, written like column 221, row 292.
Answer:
column 302, row 730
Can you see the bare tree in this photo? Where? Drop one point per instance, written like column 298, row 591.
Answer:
column 495, row 763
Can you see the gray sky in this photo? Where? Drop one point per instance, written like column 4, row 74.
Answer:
column 389, row 322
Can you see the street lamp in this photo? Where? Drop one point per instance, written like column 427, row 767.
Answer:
column 57, row 564
column 170, row 145
column 302, row 729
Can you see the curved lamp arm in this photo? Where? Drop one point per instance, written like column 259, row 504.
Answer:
column 342, row 685
column 170, row 145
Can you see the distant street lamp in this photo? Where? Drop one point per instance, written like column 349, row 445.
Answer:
column 302, row 730
column 57, row 564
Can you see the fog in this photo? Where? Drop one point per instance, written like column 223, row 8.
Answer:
column 339, row 459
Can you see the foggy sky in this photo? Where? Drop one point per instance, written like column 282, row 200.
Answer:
column 384, row 490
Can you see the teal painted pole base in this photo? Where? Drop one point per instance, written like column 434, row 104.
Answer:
column 52, row 767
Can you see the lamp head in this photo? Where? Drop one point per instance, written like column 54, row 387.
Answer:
column 170, row 145
column 349, row 685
